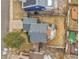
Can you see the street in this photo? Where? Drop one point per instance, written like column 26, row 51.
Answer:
column 4, row 22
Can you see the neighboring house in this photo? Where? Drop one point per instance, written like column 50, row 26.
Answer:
column 38, row 33
column 27, row 22
column 48, row 4
column 55, row 6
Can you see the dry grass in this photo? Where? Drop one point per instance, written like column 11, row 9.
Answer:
column 18, row 13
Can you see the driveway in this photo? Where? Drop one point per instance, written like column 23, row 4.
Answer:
column 4, row 21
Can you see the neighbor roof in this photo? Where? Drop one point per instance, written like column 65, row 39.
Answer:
column 27, row 20
column 41, row 28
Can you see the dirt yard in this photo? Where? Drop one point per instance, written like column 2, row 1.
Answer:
column 59, row 41
column 18, row 13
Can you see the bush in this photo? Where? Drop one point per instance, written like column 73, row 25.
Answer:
column 14, row 40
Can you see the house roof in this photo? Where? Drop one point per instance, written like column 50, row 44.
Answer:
column 38, row 37
column 27, row 20
column 41, row 28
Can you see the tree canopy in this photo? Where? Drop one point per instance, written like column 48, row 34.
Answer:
column 14, row 40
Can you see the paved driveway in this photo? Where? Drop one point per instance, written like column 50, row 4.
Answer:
column 4, row 21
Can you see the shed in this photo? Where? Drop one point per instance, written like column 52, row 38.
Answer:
column 27, row 22
column 38, row 32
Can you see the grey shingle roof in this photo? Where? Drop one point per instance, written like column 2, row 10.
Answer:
column 27, row 20
column 38, row 32
column 38, row 37
column 39, row 28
